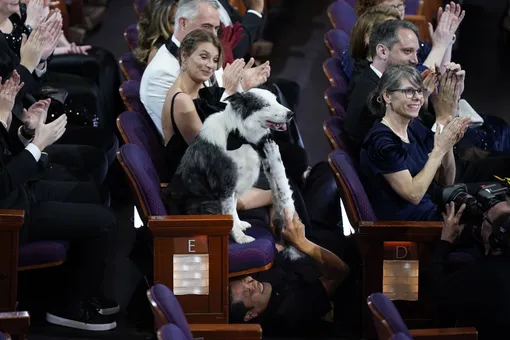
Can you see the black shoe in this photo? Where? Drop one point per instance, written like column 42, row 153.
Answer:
column 104, row 305
column 80, row 316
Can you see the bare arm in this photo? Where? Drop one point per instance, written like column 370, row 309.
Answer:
column 447, row 170
column 332, row 268
column 186, row 118
column 412, row 189
column 254, row 198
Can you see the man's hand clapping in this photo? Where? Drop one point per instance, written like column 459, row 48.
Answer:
column 255, row 76
column 47, row 134
column 51, row 34
column 448, row 23
column 8, row 91
column 32, row 116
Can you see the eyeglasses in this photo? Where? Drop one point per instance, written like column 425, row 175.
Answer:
column 410, row 92
column 399, row 6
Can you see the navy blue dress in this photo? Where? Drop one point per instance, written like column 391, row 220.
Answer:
column 383, row 152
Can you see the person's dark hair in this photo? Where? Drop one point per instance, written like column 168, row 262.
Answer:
column 155, row 27
column 386, row 33
column 391, row 79
column 364, row 5
column 196, row 37
column 237, row 310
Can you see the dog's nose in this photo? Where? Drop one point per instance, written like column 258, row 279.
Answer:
column 290, row 114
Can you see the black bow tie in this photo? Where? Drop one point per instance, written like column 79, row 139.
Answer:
column 235, row 141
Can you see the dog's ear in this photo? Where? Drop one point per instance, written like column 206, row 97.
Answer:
column 246, row 103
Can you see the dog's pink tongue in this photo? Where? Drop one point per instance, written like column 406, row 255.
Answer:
column 276, row 126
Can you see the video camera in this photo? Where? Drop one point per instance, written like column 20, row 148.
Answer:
column 486, row 197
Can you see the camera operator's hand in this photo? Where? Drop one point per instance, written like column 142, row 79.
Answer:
column 451, row 134
column 452, row 227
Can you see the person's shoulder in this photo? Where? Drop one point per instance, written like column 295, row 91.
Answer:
column 182, row 101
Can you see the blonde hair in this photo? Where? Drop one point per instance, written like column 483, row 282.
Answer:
column 358, row 46
column 155, row 27
column 363, row 5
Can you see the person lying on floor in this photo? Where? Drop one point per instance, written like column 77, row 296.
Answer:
column 292, row 296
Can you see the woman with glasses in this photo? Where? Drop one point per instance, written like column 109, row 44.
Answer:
column 401, row 158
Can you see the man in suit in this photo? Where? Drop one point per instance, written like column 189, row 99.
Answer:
column 70, row 211
column 252, row 23
column 394, row 42
column 164, row 68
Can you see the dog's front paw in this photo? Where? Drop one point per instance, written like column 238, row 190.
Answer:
column 271, row 149
column 244, row 239
column 243, row 225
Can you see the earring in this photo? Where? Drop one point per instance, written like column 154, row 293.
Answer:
column 183, row 67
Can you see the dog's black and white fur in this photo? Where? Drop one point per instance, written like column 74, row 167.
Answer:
column 210, row 178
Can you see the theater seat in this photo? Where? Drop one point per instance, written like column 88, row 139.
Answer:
column 42, row 254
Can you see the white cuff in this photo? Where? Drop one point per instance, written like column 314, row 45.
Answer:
column 434, row 127
column 39, row 72
column 254, row 12
column 34, row 150
column 23, row 139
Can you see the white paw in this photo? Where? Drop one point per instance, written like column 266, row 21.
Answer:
column 242, row 238
column 244, row 225
column 271, row 150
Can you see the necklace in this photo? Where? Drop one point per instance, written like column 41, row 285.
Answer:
column 387, row 123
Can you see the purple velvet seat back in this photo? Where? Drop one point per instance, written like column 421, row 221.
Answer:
column 398, row 336
column 352, row 3
column 338, row 40
column 130, row 91
column 412, row 7
column 131, row 35
column 130, row 67
column 344, row 165
column 336, row 97
column 333, row 70
column 137, row 129
column 171, row 308
column 170, row 332
column 139, row 166
column 139, row 5
column 2, row 336
column 342, row 16
column 42, row 252
column 390, row 313
column 256, row 254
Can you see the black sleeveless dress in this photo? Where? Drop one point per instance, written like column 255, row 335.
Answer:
column 208, row 102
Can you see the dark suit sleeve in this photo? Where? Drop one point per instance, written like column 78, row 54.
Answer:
column 15, row 171
column 359, row 118
column 252, row 26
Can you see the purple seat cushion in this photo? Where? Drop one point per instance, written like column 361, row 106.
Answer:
column 342, row 15
column 131, row 66
column 146, row 178
column 345, row 166
column 131, row 35
column 171, row 308
column 131, row 92
column 337, row 97
column 256, row 254
column 139, row 130
column 412, row 7
column 170, row 332
column 339, row 40
column 41, row 252
column 390, row 313
column 333, row 67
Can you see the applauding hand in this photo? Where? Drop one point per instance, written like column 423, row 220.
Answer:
column 255, row 76
column 8, row 91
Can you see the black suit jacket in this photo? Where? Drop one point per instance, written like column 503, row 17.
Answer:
column 252, row 25
column 15, row 171
column 359, row 118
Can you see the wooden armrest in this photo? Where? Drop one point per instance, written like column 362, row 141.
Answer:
column 15, row 323
column 163, row 185
column 401, row 230
column 11, row 220
column 414, row 18
column 226, row 331
column 421, row 22
column 466, row 333
column 187, row 225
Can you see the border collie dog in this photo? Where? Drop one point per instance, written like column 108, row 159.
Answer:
column 212, row 174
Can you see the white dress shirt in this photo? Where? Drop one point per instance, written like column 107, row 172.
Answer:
column 157, row 79
column 30, row 147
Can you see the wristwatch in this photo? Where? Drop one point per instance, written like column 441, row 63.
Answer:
column 29, row 28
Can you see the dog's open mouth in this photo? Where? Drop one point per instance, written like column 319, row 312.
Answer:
column 276, row 126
